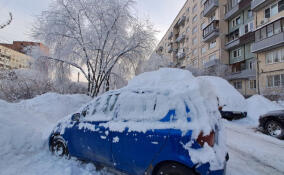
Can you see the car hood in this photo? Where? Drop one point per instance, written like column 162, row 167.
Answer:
column 274, row 113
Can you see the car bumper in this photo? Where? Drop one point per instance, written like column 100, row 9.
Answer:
column 204, row 169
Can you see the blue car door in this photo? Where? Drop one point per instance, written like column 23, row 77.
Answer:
column 134, row 151
column 91, row 140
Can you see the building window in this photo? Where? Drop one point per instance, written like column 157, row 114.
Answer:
column 236, row 21
column 194, row 41
column 274, row 9
column 212, row 57
column 275, row 56
column 203, row 25
column 194, row 30
column 194, row 8
column 237, row 53
column 238, row 84
column 212, row 44
column 250, row 14
column 194, row 19
column 194, row 52
column 277, row 27
column 203, row 50
column 275, row 80
column 252, row 84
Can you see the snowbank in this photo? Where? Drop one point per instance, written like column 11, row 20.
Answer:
column 24, row 129
column 258, row 105
column 228, row 96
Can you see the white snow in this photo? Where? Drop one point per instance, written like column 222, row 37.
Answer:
column 24, row 130
column 256, row 106
column 227, row 95
column 25, row 127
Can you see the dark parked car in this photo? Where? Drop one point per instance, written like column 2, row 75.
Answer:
column 232, row 115
column 272, row 123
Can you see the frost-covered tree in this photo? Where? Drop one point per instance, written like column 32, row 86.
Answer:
column 94, row 36
column 8, row 22
column 154, row 62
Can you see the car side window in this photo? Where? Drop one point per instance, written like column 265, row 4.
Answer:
column 102, row 108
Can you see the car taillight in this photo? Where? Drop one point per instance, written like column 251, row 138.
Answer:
column 209, row 139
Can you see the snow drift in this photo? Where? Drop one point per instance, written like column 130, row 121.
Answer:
column 258, row 105
column 24, row 130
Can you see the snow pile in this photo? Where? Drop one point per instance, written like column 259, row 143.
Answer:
column 24, row 129
column 258, row 105
column 227, row 95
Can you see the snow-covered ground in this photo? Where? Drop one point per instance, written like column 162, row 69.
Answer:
column 25, row 126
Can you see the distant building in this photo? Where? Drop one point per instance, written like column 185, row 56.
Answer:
column 11, row 59
column 25, row 46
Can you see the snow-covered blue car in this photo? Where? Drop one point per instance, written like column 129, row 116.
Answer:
column 145, row 131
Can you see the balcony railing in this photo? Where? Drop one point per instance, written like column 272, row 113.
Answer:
column 244, row 39
column 209, row 7
column 211, row 31
column 233, row 9
column 180, row 22
column 244, row 74
column 211, row 63
column 258, row 4
column 180, row 38
column 265, row 40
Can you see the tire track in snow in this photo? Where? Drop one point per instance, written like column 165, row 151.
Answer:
column 252, row 153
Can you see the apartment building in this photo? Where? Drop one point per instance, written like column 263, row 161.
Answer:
column 245, row 35
column 11, row 59
column 269, row 45
column 26, row 46
column 196, row 38
column 240, row 21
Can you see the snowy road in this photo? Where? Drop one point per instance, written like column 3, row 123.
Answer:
column 24, row 128
column 252, row 152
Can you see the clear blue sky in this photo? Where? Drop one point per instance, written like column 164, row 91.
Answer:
column 160, row 12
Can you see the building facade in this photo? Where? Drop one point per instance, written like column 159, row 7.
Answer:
column 208, row 33
column 269, row 45
column 11, row 59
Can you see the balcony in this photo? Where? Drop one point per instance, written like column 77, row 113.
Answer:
column 268, row 43
column 245, row 39
column 211, row 63
column 180, row 22
column 259, row 4
column 170, row 36
column 170, row 49
column 232, row 44
column 180, row 38
column 233, row 10
column 244, row 74
column 209, row 7
column 211, row 31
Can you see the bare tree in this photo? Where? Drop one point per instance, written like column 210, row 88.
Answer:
column 2, row 26
column 94, row 36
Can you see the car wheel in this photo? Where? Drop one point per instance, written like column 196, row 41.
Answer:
column 58, row 147
column 174, row 169
column 274, row 129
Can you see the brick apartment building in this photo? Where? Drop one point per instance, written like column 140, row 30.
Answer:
column 14, row 56
column 209, row 33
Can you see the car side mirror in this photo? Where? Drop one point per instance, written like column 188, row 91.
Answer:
column 76, row 117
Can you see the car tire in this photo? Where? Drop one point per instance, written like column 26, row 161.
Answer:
column 274, row 129
column 174, row 169
column 58, row 147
